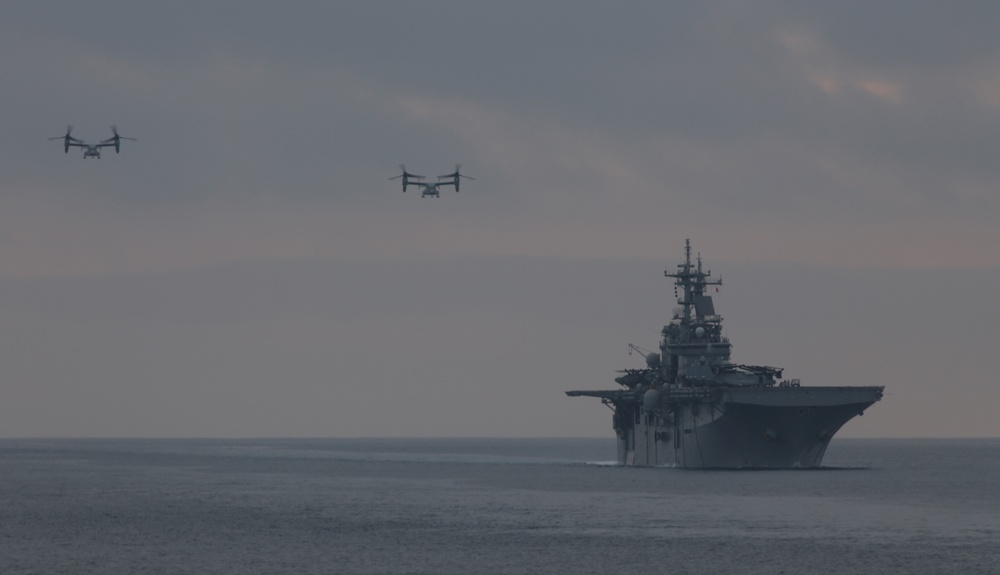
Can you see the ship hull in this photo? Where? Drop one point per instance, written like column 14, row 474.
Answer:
column 738, row 428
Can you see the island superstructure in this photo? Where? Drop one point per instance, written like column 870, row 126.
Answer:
column 690, row 406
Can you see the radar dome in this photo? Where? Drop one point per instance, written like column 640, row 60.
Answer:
column 699, row 331
column 651, row 400
column 653, row 360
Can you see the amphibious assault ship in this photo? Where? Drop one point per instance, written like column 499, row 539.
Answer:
column 692, row 407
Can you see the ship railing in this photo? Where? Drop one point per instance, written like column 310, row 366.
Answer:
column 691, row 393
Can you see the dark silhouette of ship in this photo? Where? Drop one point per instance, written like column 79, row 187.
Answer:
column 691, row 407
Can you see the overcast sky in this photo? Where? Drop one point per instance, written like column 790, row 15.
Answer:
column 247, row 269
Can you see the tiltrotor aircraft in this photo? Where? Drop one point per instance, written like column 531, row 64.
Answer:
column 431, row 189
column 91, row 150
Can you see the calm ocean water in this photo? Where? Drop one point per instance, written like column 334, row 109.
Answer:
column 440, row 506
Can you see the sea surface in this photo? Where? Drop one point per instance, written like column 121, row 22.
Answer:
column 442, row 506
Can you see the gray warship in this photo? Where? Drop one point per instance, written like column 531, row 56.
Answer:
column 692, row 407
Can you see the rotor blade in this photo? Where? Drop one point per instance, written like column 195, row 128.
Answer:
column 114, row 130
column 455, row 174
column 69, row 130
column 458, row 175
column 408, row 174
